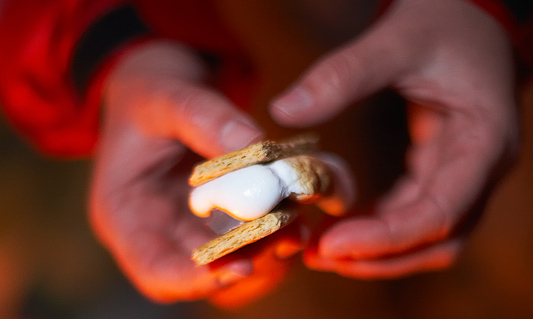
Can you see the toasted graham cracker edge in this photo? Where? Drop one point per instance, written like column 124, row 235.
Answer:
column 314, row 177
column 258, row 153
column 242, row 236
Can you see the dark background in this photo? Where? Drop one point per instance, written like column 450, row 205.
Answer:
column 52, row 267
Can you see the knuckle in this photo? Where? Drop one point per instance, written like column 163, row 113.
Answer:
column 336, row 73
column 196, row 109
column 332, row 73
column 191, row 107
column 188, row 104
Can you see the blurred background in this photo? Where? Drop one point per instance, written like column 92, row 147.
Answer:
column 51, row 266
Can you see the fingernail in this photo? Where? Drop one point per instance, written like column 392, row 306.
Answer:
column 238, row 134
column 229, row 278
column 287, row 250
column 235, row 271
column 295, row 101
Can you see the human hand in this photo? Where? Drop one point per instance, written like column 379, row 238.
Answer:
column 156, row 106
column 455, row 64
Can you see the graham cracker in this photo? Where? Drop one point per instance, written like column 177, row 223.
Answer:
column 243, row 235
column 261, row 152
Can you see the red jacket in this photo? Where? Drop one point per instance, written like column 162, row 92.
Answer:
column 55, row 105
column 41, row 96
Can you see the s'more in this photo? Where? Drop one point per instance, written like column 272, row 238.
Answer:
column 248, row 186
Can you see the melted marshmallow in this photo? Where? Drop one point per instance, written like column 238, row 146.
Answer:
column 247, row 193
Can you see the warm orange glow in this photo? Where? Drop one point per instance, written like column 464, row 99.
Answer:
column 268, row 272
column 424, row 123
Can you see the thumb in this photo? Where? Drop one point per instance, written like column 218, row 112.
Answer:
column 202, row 119
column 355, row 71
column 160, row 86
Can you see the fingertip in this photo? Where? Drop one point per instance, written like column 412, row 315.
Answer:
column 309, row 257
column 237, row 134
column 291, row 245
column 228, row 278
column 291, row 107
column 234, row 271
column 295, row 238
column 332, row 245
column 286, row 250
column 313, row 260
column 203, row 120
column 355, row 238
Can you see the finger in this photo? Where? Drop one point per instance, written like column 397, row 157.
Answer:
column 343, row 189
column 203, row 120
column 260, row 283
column 271, row 257
column 162, row 84
column 449, row 178
column 435, row 257
column 291, row 240
column 250, row 289
column 157, row 257
column 231, row 270
column 165, row 273
column 349, row 74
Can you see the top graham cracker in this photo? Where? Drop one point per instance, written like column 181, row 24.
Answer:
column 261, row 152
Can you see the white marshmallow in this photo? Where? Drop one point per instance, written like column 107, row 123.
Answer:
column 247, row 193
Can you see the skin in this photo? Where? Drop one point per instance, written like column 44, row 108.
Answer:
column 448, row 57
column 453, row 63
column 156, row 109
column 157, row 112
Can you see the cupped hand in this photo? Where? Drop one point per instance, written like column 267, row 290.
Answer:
column 454, row 65
column 156, row 108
